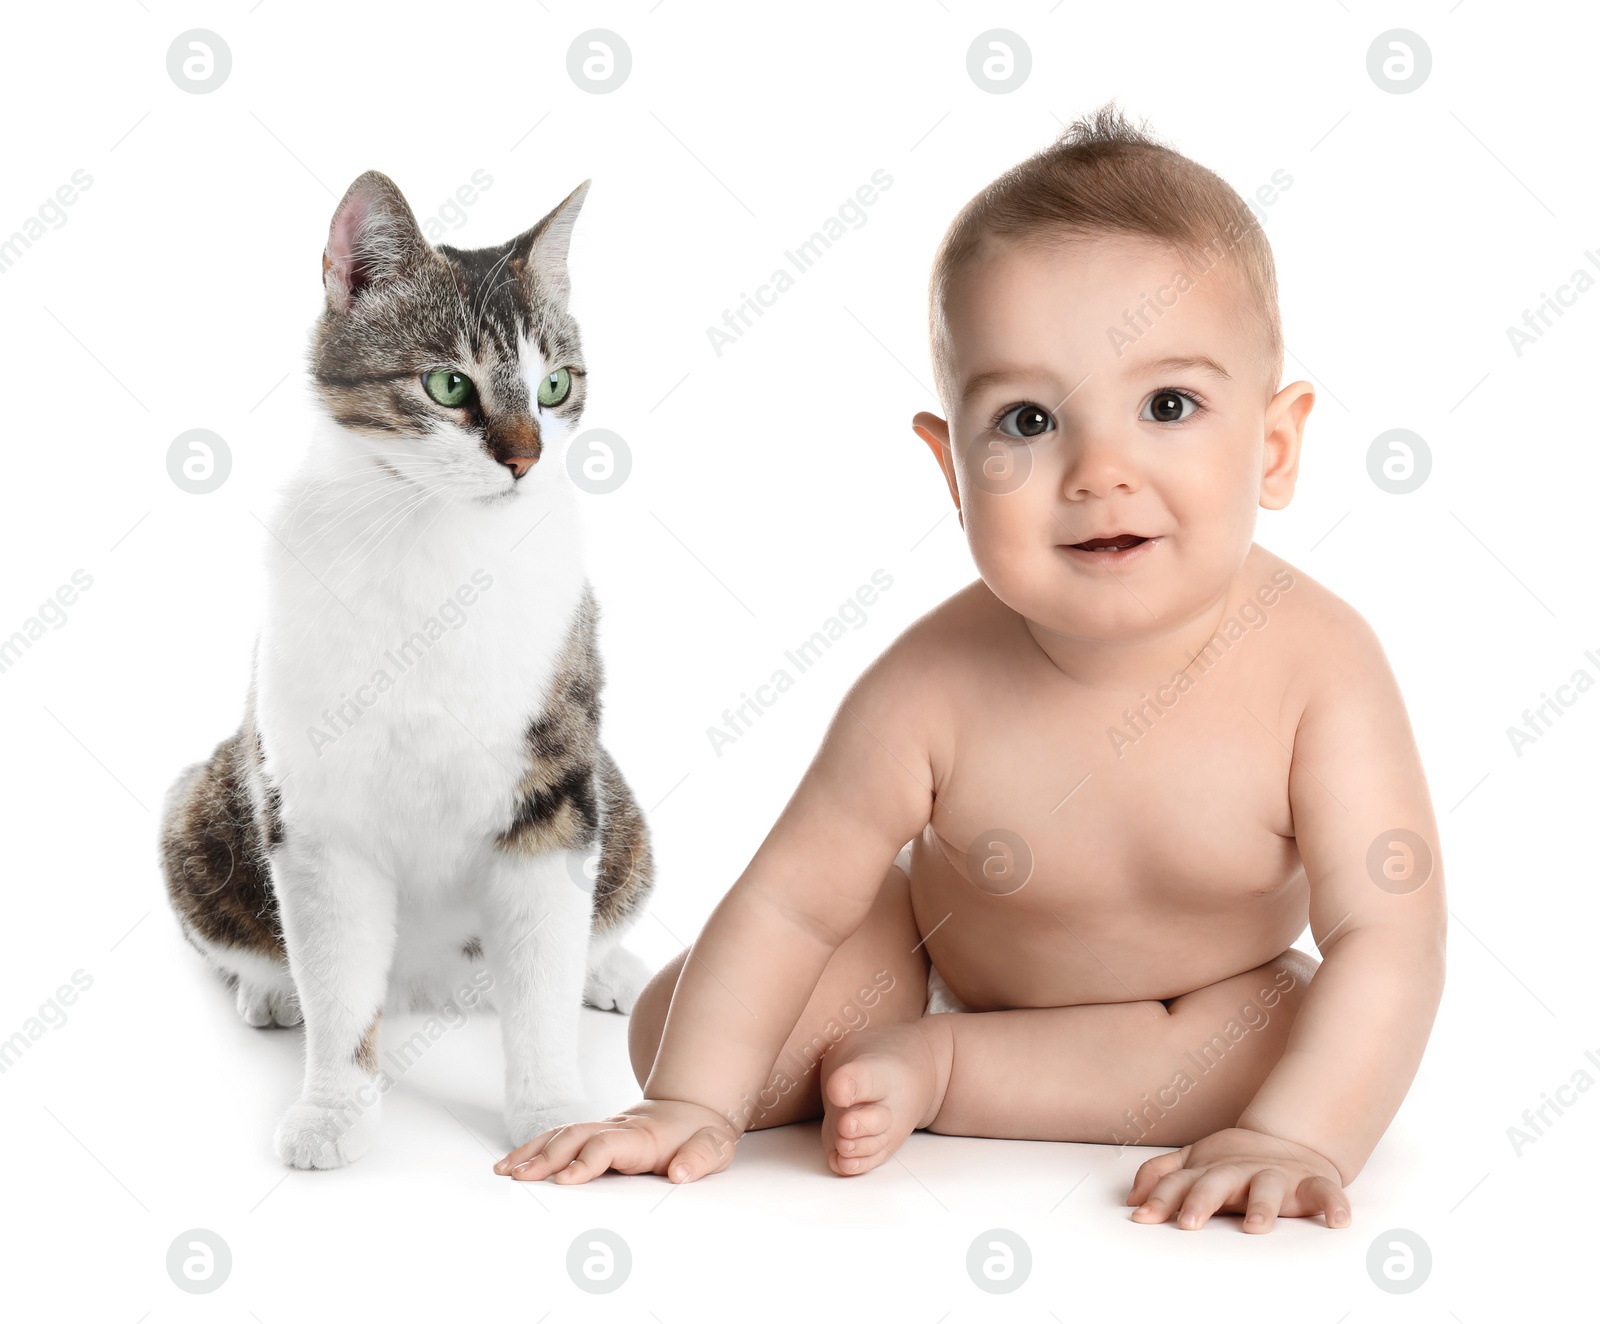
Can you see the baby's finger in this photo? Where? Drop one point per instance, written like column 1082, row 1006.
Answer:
column 1214, row 1189
column 1153, row 1170
column 625, row 1148
column 708, row 1150
column 1320, row 1193
column 1169, row 1193
column 1267, row 1194
column 569, row 1137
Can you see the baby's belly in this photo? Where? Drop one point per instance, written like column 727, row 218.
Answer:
column 1070, row 937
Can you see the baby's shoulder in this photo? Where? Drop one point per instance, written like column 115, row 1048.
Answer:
column 1323, row 639
column 907, row 695
column 951, row 633
column 941, row 647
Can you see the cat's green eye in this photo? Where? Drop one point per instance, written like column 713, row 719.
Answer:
column 450, row 389
column 555, row 388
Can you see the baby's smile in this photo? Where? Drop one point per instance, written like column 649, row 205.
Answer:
column 1111, row 551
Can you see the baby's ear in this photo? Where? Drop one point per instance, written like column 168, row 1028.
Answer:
column 373, row 238
column 1285, row 424
column 935, row 433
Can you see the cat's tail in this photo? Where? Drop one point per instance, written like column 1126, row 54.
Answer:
column 624, row 878
column 212, row 854
column 625, row 871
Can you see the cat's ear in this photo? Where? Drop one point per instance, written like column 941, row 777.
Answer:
column 373, row 238
column 539, row 255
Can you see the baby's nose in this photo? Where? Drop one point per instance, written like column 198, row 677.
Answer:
column 1097, row 466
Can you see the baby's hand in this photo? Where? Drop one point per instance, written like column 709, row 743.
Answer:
column 682, row 1140
column 1238, row 1169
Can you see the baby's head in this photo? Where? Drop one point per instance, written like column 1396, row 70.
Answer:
column 1106, row 344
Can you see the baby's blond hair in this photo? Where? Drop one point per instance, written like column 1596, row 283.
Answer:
column 1102, row 176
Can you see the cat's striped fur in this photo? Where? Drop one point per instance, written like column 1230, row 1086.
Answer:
column 456, row 832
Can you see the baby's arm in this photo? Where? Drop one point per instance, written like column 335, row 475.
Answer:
column 1367, row 838
column 749, row 974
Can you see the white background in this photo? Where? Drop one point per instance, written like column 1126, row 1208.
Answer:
column 768, row 484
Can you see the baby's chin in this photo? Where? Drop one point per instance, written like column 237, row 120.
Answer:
column 1067, row 595
column 1060, row 607
column 1082, row 627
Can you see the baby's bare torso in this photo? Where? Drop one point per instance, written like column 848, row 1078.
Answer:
column 1063, row 866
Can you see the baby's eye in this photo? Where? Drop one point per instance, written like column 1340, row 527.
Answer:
column 1025, row 421
column 1167, row 406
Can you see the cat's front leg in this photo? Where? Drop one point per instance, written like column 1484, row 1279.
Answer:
column 536, row 939
column 339, row 928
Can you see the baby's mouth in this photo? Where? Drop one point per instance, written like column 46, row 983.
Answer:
column 1120, row 543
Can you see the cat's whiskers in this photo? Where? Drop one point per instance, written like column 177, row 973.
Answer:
column 311, row 526
column 359, row 474
column 444, row 507
column 376, row 532
column 447, row 476
column 372, row 490
column 343, row 520
column 328, row 477
column 345, row 502
column 388, row 529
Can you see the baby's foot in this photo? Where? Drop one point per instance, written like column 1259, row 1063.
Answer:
column 878, row 1086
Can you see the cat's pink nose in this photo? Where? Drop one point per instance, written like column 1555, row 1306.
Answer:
column 515, row 443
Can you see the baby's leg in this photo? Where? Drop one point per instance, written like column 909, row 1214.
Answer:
column 878, row 976
column 1140, row 1073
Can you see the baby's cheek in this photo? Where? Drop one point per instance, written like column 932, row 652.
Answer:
column 999, row 518
column 993, row 539
column 1017, row 569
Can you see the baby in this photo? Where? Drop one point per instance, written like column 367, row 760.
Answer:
column 1042, row 877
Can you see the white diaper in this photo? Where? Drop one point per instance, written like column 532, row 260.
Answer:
column 940, row 998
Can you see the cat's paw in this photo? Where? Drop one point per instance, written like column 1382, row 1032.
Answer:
column 268, row 1004
column 319, row 1135
column 523, row 1122
column 615, row 981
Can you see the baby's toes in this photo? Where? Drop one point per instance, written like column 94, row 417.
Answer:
column 860, row 1147
column 859, row 1127
column 861, row 1155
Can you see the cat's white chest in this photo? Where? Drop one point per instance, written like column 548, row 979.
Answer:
column 395, row 701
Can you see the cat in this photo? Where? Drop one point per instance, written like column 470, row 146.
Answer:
column 416, row 811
